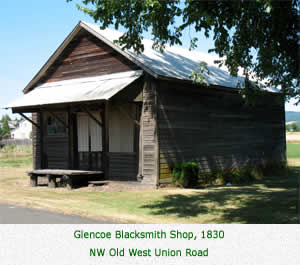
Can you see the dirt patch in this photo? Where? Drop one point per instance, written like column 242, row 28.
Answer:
column 115, row 187
column 293, row 137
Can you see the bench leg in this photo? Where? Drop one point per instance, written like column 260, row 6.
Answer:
column 51, row 182
column 33, row 180
column 69, row 183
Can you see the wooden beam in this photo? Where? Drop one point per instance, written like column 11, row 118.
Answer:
column 85, row 109
column 128, row 115
column 51, row 181
column 57, row 117
column 41, row 131
column 26, row 118
column 70, row 139
column 106, row 140
column 155, row 84
column 33, row 180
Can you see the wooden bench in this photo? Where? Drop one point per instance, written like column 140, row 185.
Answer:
column 69, row 174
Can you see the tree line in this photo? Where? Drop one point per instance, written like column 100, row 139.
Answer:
column 294, row 127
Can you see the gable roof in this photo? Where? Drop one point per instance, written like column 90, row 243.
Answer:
column 174, row 63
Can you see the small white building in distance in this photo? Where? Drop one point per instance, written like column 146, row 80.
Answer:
column 23, row 131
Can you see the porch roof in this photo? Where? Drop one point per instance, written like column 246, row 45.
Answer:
column 76, row 90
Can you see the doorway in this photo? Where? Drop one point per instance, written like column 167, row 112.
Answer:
column 90, row 146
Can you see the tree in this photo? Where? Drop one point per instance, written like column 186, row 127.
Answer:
column 5, row 117
column 5, row 128
column 261, row 37
column 294, row 127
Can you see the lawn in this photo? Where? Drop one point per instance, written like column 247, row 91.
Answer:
column 272, row 200
column 16, row 156
column 293, row 150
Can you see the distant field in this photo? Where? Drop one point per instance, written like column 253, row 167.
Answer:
column 16, row 156
column 293, row 137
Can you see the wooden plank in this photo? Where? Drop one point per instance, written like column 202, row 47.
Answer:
column 62, row 172
column 51, row 181
column 33, row 180
column 99, row 182
column 85, row 57
column 70, row 140
column 106, row 139
column 149, row 143
column 31, row 121
column 36, row 148
column 41, row 140
column 123, row 165
column 92, row 116
column 214, row 128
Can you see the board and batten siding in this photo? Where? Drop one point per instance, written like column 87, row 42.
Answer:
column 55, row 146
column 148, row 154
column 87, row 56
column 36, row 142
column 56, row 152
column 215, row 128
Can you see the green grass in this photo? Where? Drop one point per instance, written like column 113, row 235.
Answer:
column 293, row 150
column 271, row 200
column 16, row 156
column 15, row 162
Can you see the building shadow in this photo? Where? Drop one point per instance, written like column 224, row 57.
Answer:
column 274, row 200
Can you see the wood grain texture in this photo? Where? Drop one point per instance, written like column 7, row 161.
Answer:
column 215, row 128
column 87, row 56
column 56, row 152
column 36, row 142
column 90, row 160
column 122, row 165
column 148, row 165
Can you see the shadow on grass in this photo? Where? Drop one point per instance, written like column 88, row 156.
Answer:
column 273, row 200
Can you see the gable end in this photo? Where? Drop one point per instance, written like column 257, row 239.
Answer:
column 86, row 56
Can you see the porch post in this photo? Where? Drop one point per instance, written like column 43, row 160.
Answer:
column 106, row 139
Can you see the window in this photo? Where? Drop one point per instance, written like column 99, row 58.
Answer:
column 54, row 125
column 89, row 133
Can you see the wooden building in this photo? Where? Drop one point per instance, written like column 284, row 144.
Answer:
column 132, row 116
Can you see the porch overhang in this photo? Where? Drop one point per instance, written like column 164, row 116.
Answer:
column 82, row 90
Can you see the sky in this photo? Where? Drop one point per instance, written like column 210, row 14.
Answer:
column 32, row 30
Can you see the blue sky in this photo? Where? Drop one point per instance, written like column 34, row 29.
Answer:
column 31, row 31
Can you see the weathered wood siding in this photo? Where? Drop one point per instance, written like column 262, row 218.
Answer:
column 56, row 152
column 122, row 165
column 148, row 167
column 36, row 142
column 213, row 127
column 55, row 146
column 87, row 56
column 90, row 160
column 121, row 128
